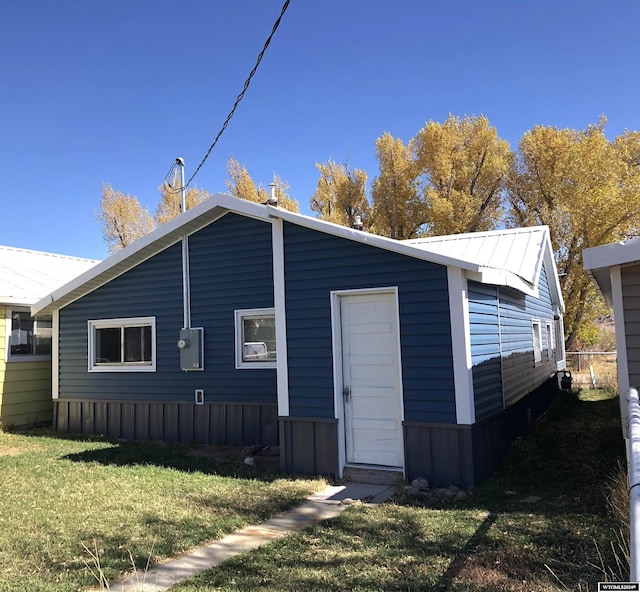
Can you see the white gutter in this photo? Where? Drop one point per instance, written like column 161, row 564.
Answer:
column 633, row 459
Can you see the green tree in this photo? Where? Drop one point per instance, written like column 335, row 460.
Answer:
column 464, row 166
column 587, row 190
column 122, row 219
column 397, row 208
column 340, row 194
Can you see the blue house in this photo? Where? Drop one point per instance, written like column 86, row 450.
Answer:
column 358, row 355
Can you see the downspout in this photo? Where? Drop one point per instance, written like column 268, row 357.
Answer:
column 633, row 460
column 186, row 289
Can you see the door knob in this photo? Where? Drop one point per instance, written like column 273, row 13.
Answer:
column 346, row 392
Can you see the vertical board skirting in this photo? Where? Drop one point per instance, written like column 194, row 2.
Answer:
column 309, row 446
column 466, row 455
column 233, row 424
column 440, row 453
column 101, row 415
column 201, row 416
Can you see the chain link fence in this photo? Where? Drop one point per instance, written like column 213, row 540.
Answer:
column 592, row 369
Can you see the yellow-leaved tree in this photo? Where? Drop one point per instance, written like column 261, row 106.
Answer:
column 340, row 194
column 170, row 202
column 463, row 166
column 397, row 208
column 240, row 184
column 122, row 219
column 587, row 190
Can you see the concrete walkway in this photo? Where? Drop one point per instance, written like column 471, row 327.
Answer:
column 325, row 504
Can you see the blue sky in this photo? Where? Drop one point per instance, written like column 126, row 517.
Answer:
column 97, row 91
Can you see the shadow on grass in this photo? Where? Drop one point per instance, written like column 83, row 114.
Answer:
column 219, row 460
column 222, row 461
column 547, row 511
column 534, row 525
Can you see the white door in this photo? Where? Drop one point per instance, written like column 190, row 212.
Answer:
column 371, row 379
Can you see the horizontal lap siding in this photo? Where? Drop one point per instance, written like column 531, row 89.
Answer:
column 230, row 266
column 631, row 305
column 315, row 265
column 25, row 387
column 484, row 326
column 517, row 310
column 25, row 396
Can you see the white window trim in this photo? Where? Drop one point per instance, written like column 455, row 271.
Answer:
column 21, row 358
column 551, row 346
column 239, row 345
column 92, row 325
column 537, row 347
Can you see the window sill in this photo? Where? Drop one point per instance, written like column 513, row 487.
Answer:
column 122, row 368
column 28, row 358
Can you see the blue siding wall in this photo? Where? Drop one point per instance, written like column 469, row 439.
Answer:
column 502, row 344
column 316, row 264
column 231, row 268
column 484, row 326
column 520, row 375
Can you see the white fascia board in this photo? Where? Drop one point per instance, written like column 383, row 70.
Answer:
column 599, row 263
column 381, row 242
column 16, row 301
column 612, row 254
column 552, row 273
column 147, row 246
column 501, row 277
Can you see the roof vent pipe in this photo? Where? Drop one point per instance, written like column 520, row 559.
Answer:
column 273, row 200
column 357, row 223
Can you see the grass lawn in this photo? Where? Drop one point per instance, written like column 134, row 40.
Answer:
column 122, row 500
column 541, row 523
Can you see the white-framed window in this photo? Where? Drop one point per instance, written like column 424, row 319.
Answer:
column 255, row 338
column 122, row 345
column 537, row 341
column 28, row 338
column 559, row 339
column 551, row 346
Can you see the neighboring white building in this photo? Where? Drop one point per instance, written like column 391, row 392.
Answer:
column 25, row 342
column 615, row 269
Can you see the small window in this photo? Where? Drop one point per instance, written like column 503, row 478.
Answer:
column 122, row 345
column 537, row 342
column 255, row 338
column 551, row 346
column 29, row 338
column 559, row 339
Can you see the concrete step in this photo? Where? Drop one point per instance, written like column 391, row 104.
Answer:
column 372, row 474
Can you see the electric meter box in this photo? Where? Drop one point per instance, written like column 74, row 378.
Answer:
column 191, row 346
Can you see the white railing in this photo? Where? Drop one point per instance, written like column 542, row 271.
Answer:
column 633, row 458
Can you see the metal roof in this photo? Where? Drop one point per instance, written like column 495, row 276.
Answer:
column 598, row 262
column 511, row 257
column 220, row 204
column 26, row 276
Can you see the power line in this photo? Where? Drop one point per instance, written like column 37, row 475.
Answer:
column 241, row 95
